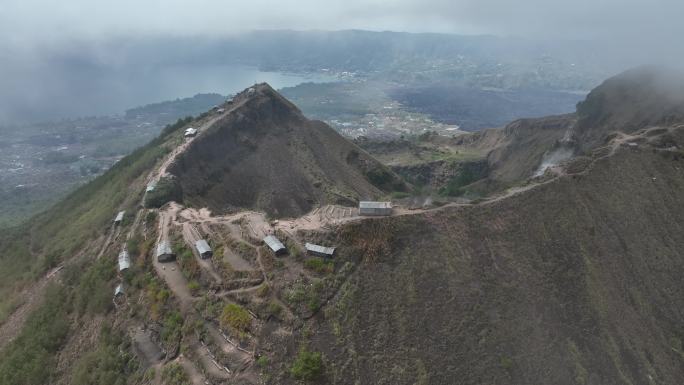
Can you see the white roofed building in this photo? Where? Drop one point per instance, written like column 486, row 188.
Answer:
column 124, row 260
column 375, row 208
column 119, row 217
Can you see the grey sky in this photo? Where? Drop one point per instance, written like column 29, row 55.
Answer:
column 24, row 21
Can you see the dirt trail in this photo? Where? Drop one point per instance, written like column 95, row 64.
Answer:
column 115, row 229
column 162, row 171
column 170, row 271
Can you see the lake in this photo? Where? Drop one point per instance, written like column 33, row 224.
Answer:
column 73, row 91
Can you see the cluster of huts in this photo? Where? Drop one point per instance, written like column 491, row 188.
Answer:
column 165, row 253
column 278, row 248
column 124, row 258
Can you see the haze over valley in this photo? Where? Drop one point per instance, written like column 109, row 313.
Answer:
column 358, row 192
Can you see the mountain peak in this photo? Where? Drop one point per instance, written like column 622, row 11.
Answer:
column 263, row 154
column 632, row 100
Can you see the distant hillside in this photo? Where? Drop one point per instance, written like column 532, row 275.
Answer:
column 631, row 101
column 475, row 109
column 175, row 109
column 635, row 99
column 266, row 155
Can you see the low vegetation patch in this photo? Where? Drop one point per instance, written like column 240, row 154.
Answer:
column 174, row 374
column 187, row 261
column 455, row 186
column 307, row 366
column 31, row 358
column 109, row 363
column 94, row 292
column 236, row 317
column 171, row 331
column 319, row 265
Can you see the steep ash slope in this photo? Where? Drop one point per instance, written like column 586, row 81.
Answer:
column 577, row 281
column 628, row 102
column 634, row 100
column 266, row 155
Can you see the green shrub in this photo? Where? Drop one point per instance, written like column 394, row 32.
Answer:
column 307, row 366
column 174, row 374
column 151, row 217
column 133, row 245
column 187, row 261
column 236, row 317
column 194, row 287
column 382, row 178
column 319, row 265
column 455, row 185
column 262, row 361
column 171, row 330
column 274, row 308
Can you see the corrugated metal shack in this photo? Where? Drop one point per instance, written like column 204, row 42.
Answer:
column 375, row 208
column 189, row 132
column 275, row 245
column 119, row 217
column 124, row 260
column 204, row 249
column 319, row 251
column 164, row 252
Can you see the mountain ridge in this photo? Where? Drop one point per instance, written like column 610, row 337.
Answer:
column 570, row 278
column 266, row 155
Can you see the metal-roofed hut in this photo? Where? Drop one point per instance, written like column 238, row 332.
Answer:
column 319, row 251
column 203, row 249
column 375, row 208
column 189, row 132
column 150, row 187
column 119, row 217
column 275, row 245
column 124, row 260
column 164, row 252
column 119, row 290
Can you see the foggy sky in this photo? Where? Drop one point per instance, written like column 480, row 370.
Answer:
column 23, row 22
column 50, row 50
